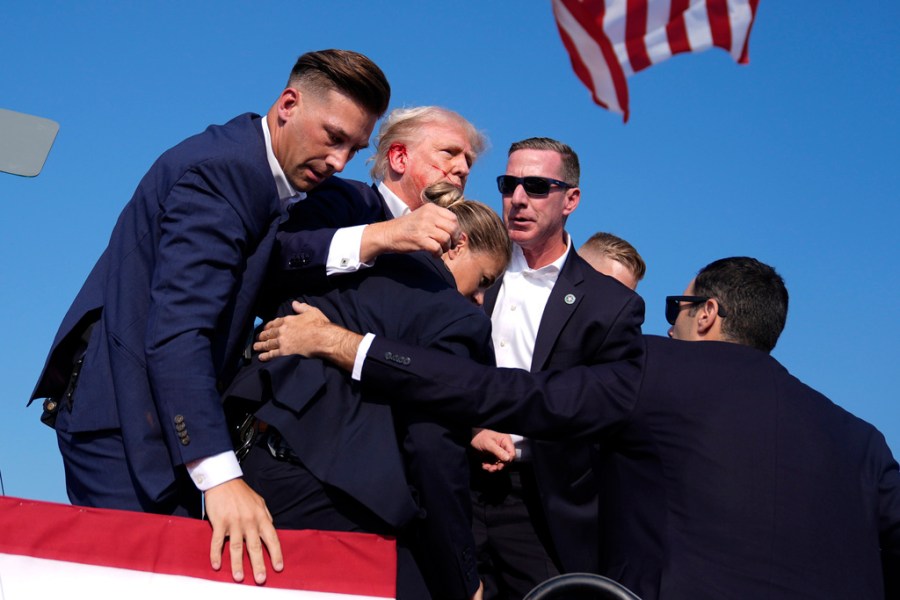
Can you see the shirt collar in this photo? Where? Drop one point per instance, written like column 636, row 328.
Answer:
column 518, row 266
column 285, row 190
column 395, row 205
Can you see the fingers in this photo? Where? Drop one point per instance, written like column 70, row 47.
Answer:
column 505, row 442
column 268, row 346
column 237, row 513
column 430, row 228
column 255, row 552
column 270, row 539
column 300, row 307
column 493, row 467
column 273, row 324
column 236, row 546
column 215, row 548
column 479, row 593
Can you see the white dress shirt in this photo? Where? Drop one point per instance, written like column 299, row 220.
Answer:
column 517, row 315
column 343, row 254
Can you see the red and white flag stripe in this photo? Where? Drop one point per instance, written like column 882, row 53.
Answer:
column 610, row 40
column 59, row 551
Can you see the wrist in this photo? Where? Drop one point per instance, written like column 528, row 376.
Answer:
column 373, row 242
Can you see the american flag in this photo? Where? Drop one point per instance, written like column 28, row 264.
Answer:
column 610, row 40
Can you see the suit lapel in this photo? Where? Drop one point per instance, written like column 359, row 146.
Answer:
column 564, row 299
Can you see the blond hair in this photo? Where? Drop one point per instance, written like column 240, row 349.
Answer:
column 404, row 125
column 614, row 247
column 483, row 227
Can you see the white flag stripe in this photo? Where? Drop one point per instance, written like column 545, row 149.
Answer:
column 696, row 22
column 28, row 578
column 657, row 40
column 657, row 43
column 614, row 27
column 741, row 16
column 658, row 14
column 592, row 57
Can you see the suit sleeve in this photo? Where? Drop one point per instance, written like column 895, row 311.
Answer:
column 584, row 401
column 202, row 249
column 436, row 457
column 304, row 240
column 623, row 339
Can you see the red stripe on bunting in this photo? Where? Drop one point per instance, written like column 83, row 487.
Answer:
column 323, row 561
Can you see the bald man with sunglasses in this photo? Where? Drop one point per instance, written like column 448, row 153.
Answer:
column 535, row 503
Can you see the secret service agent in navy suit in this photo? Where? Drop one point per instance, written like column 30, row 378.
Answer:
column 341, row 465
column 342, row 227
column 135, row 372
column 536, row 516
column 727, row 477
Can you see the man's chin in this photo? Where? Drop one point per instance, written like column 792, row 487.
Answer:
column 307, row 182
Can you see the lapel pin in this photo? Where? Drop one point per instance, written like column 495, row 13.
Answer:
column 569, row 299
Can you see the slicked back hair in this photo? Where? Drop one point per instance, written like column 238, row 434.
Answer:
column 571, row 171
column 753, row 296
column 344, row 71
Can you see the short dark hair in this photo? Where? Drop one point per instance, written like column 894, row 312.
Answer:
column 571, row 171
column 345, row 71
column 752, row 295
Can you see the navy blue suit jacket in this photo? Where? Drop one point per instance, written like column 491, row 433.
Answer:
column 728, row 478
column 350, row 441
column 602, row 324
column 172, row 297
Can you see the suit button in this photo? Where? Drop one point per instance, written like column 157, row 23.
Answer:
column 179, row 419
column 179, row 427
column 300, row 260
column 186, row 440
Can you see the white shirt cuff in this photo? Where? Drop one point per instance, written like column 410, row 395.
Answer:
column 361, row 352
column 343, row 254
column 211, row 471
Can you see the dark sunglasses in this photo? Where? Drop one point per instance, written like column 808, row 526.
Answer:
column 534, row 186
column 674, row 306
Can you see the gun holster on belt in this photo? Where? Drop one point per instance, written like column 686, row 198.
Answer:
column 52, row 405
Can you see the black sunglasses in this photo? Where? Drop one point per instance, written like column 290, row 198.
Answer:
column 674, row 306
column 534, row 186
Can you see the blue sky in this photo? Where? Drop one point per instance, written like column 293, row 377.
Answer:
column 792, row 159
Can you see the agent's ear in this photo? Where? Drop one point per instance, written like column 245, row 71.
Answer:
column 459, row 248
column 573, row 197
column 398, row 157
column 291, row 99
column 708, row 324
